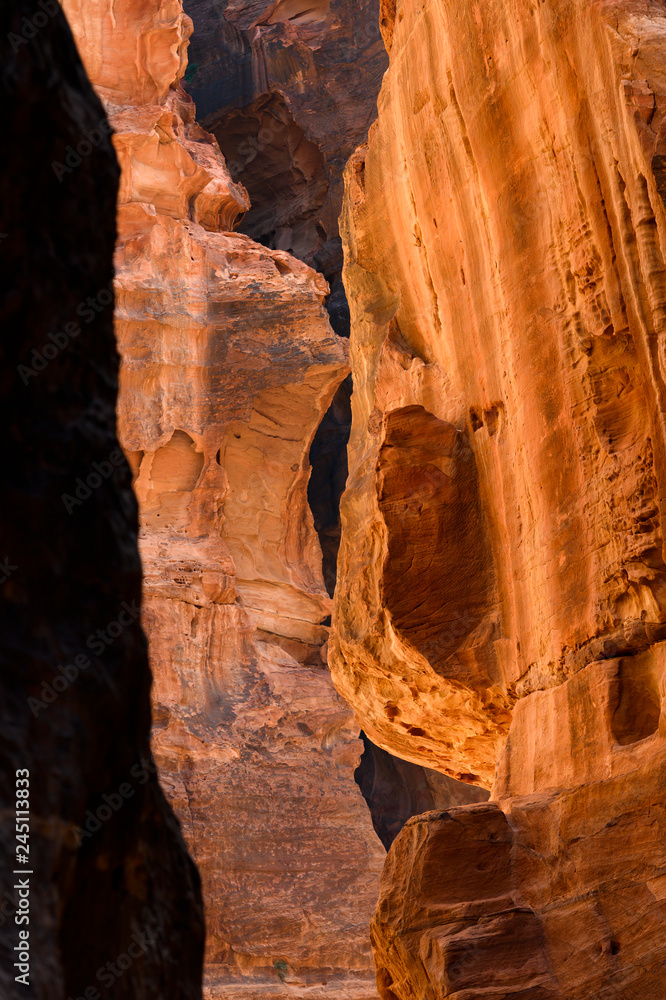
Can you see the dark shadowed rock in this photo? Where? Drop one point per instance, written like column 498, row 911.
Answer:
column 289, row 90
column 396, row 790
column 111, row 881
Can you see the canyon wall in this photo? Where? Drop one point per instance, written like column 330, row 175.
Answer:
column 500, row 612
column 289, row 89
column 229, row 364
column 105, row 902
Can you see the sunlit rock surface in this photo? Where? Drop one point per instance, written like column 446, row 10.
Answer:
column 500, row 610
column 256, row 750
column 136, row 56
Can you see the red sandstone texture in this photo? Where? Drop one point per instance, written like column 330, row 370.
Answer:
column 501, row 611
column 229, row 364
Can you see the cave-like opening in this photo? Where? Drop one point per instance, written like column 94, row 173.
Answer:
column 395, row 790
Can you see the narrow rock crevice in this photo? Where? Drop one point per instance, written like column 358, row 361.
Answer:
column 395, row 790
column 328, row 459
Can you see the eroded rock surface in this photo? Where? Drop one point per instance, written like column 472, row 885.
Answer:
column 229, row 364
column 557, row 892
column 502, row 570
column 136, row 57
column 108, row 873
column 255, row 748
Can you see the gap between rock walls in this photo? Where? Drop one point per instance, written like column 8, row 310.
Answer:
column 289, row 148
column 228, row 366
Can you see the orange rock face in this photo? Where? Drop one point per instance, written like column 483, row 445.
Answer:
column 136, row 57
column 134, row 53
column 256, row 750
column 501, row 610
column 228, row 366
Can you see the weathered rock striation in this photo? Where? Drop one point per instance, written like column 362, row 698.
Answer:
column 500, row 611
column 229, row 364
column 109, row 877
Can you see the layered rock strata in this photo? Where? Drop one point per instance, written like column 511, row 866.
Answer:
column 500, row 611
column 107, row 901
column 256, row 750
column 229, row 364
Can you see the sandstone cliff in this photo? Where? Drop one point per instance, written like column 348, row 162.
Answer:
column 229, row 364
column 501, row 611
column 113, row 906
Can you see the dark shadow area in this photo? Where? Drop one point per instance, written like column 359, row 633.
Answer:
column 328, row 261
column 283, row 171
column 105, row 868
column 429, row 498
column 290, row 90
column 328, row 458
column 395, row 790
column 637, row 706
